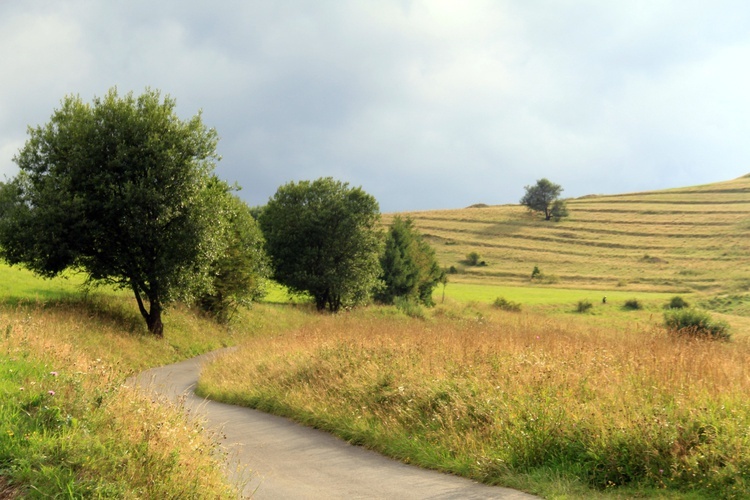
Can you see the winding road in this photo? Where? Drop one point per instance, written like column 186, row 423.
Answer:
column 275, row 458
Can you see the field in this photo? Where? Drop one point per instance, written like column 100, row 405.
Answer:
column 676, row 241
column 604, row 403
column 552, row 405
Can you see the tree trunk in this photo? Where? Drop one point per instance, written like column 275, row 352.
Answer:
column 153, row 317
column 155, row 326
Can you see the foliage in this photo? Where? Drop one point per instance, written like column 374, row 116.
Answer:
column 677, row 302
column 409, row 307
column 322, row 239
column 473, row 258
column 633, row 305
column 536, row 273
column 122, row 189
column 696, row 323
column 240, row 274
column 584, row 306
column 543, row 197
column 410, row 269
column 506, row 305
column 559, row 210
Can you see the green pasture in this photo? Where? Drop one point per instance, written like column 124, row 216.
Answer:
column 17, row 283
column 543, row 296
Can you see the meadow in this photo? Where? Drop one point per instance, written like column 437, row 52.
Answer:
column 605, row 403
column 69, row 426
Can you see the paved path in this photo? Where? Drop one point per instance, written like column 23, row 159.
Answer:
column 290, row 461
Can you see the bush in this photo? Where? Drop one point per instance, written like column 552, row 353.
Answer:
column 584, row 306
column 677, row 303
column 536, row 273
column 409, row 307
column 633, row 305
column 696, row 323
column 473, row 259
column 507, row 305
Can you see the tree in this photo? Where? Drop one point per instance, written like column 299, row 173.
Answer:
column 322, row 239
column 409, row 267
column 542, row 197
column 239, row 275
column 123, row 190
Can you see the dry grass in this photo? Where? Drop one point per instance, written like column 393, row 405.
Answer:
column 70, row 429
column 501, row 396
column 679, row 240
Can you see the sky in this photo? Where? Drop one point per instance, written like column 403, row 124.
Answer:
column 425, row 104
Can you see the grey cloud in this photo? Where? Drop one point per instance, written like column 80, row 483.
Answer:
column 424, row 104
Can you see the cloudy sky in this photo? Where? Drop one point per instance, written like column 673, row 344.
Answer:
column 426, row 104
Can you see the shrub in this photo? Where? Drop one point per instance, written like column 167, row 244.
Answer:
column 633, row 305
column 507, row 305
column 677, row 302
column 409, row 307
column 473, row 259
column 452, row 270
column 584, row 306
column 696, row 323
column 536, row 273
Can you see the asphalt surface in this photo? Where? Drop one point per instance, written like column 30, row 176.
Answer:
column 274, row 458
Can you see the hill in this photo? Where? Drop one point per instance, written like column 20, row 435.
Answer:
column 691, row 239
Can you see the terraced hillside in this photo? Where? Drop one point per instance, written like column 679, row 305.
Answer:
column 676, row 240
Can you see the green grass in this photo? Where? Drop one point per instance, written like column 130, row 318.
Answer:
column 539, row 295
column 68, row 427
column 601, row 404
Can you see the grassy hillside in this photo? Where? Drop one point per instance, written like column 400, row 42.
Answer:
column 678, row 240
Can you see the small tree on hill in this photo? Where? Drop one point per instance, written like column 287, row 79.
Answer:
column 543, row 197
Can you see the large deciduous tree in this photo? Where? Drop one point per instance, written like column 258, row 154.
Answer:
column 122, row 189
column 322, row 239
column 544, row 197
column 410, row 269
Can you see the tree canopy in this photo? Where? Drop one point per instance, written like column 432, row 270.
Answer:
column 322, row 239
column 544, row 197
column 409, row 266
column 123, row 190
column 239, row 275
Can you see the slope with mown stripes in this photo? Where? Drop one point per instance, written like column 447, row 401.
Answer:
column 676, row 240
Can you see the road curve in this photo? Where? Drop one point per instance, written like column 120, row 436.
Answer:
column 275, row 458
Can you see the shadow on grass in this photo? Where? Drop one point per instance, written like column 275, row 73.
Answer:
column 107, row 310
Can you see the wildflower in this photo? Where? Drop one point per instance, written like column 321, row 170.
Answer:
column 54, row 374
column 51, row 393
column 21, row 389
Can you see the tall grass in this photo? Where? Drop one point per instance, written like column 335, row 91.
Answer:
column 500, row 397
column 69, row 428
